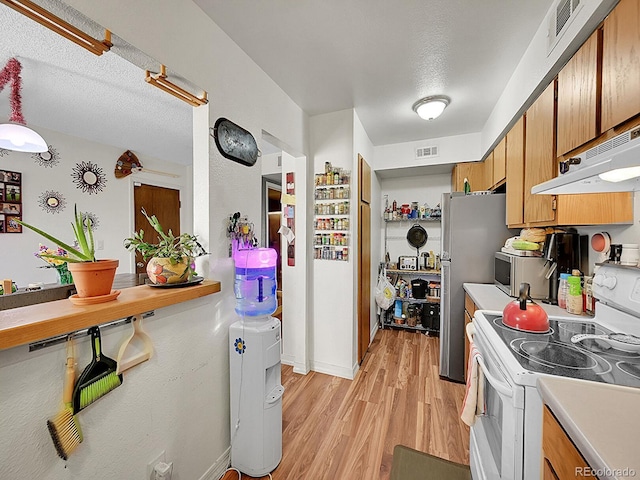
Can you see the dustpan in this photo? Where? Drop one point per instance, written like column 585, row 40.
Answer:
column 98, row 378
column 137, row 334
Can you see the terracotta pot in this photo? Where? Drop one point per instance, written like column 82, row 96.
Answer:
column 93, row 279
column 161, row 270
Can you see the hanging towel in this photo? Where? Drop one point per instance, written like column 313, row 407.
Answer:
column 473, row 403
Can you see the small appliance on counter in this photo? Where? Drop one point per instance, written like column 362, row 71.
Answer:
column 562, row 254
column 510, row 271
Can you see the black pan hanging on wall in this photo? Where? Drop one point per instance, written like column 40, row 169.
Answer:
column 234, row 142
column 417, row 237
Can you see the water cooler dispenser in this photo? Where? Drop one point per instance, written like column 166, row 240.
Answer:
column 254, row 361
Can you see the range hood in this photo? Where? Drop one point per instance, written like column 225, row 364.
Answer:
column 612, row 166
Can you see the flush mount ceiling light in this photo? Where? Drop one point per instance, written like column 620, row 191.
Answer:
column 15, row 135
column 429, row 108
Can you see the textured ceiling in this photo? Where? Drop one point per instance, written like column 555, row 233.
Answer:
column 100, row 98
column 379, row 57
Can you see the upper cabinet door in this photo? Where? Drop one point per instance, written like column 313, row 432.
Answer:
column 621, row 64
column 515, row 174
column 499, row 162
column 487, row 169
column 540, row 159
column 578, row 97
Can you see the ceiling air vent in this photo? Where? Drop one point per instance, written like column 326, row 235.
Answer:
column 563, row 14
column 426, row 152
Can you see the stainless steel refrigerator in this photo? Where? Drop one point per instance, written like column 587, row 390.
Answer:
column 473, row 229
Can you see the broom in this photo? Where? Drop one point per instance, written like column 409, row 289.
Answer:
column 64, row 427
column 98, row 378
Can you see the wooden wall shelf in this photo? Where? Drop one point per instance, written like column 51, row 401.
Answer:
column 19, row 326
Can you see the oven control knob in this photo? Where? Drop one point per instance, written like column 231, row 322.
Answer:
column 598, row 279
column 610, row 282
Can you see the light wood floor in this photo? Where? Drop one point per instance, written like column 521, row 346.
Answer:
column 337, row 429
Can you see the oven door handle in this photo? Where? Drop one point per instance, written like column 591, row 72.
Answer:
column 503, row 388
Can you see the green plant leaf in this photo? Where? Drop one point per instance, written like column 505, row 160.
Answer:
column 60, row 243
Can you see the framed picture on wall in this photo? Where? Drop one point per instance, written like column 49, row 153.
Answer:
column 11, row 226
column 1, row 223
column 10, row 201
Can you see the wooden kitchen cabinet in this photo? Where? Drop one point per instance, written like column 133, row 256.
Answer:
column 578, row 97
column 620, row 65
column 540, row 164
column 515, row 174
column 488, row 171
column 562, row 460
column 499, row 162
column 469, row 310
column 473, row 171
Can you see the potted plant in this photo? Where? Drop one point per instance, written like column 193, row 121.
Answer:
column 92, row 278
column 171, row 259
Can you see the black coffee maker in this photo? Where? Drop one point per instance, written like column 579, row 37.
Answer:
column 562, row 254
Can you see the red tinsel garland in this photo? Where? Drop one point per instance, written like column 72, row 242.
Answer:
column 11, row 71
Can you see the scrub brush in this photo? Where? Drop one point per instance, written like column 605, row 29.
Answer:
column 64, row 427
column 98, row 378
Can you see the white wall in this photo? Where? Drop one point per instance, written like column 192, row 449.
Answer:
column 167, row 403
column 180, row 36
column 113, row 206
column 422, row 189
column 331, row 140
column 454, row 149
column 362, row 145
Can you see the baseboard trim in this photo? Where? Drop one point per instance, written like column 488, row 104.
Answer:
column 336, row 371
column 216, row 471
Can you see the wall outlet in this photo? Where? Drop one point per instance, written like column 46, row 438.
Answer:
column 160, row 458
column 100, row 245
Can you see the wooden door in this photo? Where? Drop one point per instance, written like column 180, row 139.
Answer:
column 579, row 97
column 620, row 65
column 162, row 202
column 364, row 258
column 540, row 159
column 515, row 173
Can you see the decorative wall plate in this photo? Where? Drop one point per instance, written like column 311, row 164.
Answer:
column 235, row 143
column 3, row 152
column 51, row 201
column 89, row 177
column 89, row 216
column 50, row 158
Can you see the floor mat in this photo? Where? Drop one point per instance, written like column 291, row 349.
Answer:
column 410, row 464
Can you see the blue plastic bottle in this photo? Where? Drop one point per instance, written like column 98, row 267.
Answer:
column 255, row 284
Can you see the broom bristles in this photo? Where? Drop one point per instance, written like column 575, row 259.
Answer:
column 65, row 432
column 98, row 388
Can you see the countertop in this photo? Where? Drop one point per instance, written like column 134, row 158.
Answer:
column 487, row 296
column 602, row 421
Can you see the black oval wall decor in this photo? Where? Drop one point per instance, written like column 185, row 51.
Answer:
column 235, row 143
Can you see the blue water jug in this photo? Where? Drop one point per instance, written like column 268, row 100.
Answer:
column 255, row 284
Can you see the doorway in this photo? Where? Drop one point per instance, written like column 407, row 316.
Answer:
column 162, row 202
column 272, row 211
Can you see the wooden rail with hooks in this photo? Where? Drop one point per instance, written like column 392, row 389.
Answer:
column 44, row 17
column 160, row 80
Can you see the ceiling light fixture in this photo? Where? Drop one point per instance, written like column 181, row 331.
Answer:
column 160, row 80
column 43, row 17
column 429, row 108
column 16, row 136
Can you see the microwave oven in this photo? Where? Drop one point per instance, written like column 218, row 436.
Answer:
column 512, row 270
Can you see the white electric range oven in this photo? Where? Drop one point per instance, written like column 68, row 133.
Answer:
column 506, row 442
